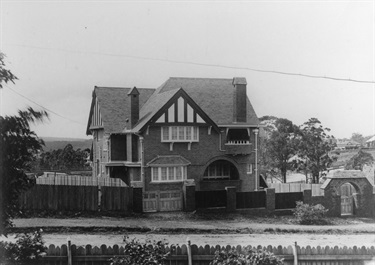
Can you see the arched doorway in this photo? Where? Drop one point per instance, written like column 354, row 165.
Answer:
column 347, row 193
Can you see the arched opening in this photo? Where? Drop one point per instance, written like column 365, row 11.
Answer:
column 348, row 195
column 221, row 170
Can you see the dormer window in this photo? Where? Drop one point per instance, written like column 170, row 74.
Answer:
column 179, row 134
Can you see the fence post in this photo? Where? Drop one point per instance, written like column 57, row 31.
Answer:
column 189, row 197
column 69, row 252
column 231, row 199
column 270, row 200
column 307, row 194
column 190, row 258
column 295, row 255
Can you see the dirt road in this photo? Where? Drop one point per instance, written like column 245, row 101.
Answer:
column 313, row 240
column 213, row 230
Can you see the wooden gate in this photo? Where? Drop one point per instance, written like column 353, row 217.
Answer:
column 150, row 201
column 347, row 191
column 162, row 201
column 346, row 205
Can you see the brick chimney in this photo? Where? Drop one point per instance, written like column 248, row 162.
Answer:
column 239, row 99
column 134, row 106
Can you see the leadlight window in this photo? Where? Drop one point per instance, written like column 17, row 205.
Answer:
column 168, row 174
column 180, row 134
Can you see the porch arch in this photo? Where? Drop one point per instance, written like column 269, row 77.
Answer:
column 221, row 168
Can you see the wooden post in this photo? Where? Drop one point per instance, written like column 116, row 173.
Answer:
column 69, row 252
column 295, row 254
column 190, row 258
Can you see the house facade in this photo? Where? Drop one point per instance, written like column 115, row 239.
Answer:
column 188, row 131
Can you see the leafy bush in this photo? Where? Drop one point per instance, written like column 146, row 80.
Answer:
column 249, row 257
column 28, row 249
column 310, row 214
column 137, row 252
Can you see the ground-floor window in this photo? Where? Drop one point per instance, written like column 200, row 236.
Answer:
column 167, row 174
column 221, row 169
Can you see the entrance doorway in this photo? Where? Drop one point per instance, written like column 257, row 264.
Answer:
column 347, row 192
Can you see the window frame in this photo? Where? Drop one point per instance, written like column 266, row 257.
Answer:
column 175, row 169
column 174, row 134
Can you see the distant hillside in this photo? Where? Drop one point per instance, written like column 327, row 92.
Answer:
column 54, row 143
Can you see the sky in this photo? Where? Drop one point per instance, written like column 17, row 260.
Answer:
column 60, row 50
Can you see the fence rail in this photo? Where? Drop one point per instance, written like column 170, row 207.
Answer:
column 297, row 187
column 76, row 180
column 202, row 255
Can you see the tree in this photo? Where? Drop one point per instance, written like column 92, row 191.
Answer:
column 357, row 137
column 281, row 145
column 19, row 146
column 359, row 160
column 63, row 159
column 314, row 148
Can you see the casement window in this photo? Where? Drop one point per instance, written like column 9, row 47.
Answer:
column 249, row 168
column 218, row 171
column 179, row 134
column 221, row 170
column 168, row 174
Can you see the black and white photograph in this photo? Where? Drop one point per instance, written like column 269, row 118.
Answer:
column 183, row 132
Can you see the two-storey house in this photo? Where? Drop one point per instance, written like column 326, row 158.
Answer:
column 189, row 131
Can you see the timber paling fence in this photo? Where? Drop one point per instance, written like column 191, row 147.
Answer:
column 77, row 198
column 203, row 255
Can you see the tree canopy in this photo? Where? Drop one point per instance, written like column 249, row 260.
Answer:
column 19, row 146
column 279, row 144
column 314, row 148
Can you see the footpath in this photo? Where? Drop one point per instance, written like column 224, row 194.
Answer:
column 177, row 224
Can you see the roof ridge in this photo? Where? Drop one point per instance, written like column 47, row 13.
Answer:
column 202, row 78
column 124, row 87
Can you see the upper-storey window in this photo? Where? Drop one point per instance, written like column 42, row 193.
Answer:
column 179, row 134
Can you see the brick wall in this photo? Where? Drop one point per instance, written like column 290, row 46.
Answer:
column 207, row 150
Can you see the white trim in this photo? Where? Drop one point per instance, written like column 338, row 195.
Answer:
column 183, row 170
column 192, row 130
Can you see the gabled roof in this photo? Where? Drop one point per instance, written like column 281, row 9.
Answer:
column 213, row 95
column 114, row 104
column 371, row 139
column 173, row 160
column 154, row 107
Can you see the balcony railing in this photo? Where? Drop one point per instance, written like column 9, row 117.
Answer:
column 238, row 142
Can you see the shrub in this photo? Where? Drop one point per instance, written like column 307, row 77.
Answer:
column 28, row 249
column 137, row 252
column 250, row 256
column 310, row 214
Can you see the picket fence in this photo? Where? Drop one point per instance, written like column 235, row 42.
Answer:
column 297, row 187
column 51, row 178
column 203, row 255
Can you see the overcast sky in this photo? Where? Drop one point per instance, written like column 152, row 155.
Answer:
column 60, row 50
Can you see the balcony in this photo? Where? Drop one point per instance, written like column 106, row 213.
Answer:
column 237, row 142
column 238, row 147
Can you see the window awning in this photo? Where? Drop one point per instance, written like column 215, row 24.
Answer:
column 164, row 161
